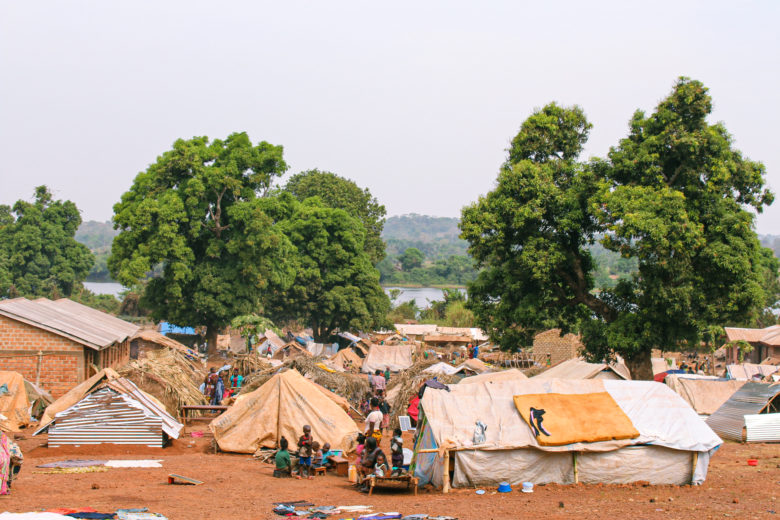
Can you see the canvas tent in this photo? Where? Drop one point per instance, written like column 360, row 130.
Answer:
column 14, row 404
column 673, row 445
column 280, row 408
column 344, row 360
column 115, row 412
column 381, row 357
column 494, row 377
column 737, row 419
column 705, row 394
column 580, row 369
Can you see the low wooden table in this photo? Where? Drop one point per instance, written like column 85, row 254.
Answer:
column 186, row 409
column 409, row 479
column 341, row 465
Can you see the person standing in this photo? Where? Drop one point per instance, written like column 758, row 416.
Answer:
column 219, row 391
column 374, row 421
column 379, row 381
column 236, row 380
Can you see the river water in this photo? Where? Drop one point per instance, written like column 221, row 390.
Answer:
column 421, row 295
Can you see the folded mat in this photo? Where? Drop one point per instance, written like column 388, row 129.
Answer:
column 558, row 419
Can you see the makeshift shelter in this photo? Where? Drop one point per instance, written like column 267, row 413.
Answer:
column 393, row 357
column 345, row 360
column 765, row 343
column 38, row 397
column 280, row 408
column 115, row 412
column 442, row 368
column 751, row 414
column 150, row 340
column 638, row 431
column 494, row 377
column 477, row 366
column 75, row 395
column 750, row 371
column 415, row 331
column 661, row 365
column 581, row 369
column 291, row 350
column 14, row 403
column 705, row 394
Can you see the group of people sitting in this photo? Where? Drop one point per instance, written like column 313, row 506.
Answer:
column 372, row 461
column 310, row 457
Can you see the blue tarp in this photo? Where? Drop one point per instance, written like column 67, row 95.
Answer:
column 167, row 328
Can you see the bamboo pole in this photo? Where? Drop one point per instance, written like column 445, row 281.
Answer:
column 576, row 469
column 695, row 463
column 446, row 486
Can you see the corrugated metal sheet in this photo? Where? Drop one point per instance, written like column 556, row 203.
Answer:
column 729, row 420
column 772, row 338
column 749, row 335
column 763, row 427
column 82, row 324
column 171, row 426
column 580, row 369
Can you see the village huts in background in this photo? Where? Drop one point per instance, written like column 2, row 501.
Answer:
column 170, row 376
column 280, row 408
column 751, row 414
column 705, row 394
column 185, row 335
column 405, row 385
column 661, row 365
column 751, row 371
column 581, row 369
column 57, row 344
column 765, row 343
column 147, row 340
column 289, row 351
column 269, row 343
column 346, row 360
column 436, row 339
column 469, row 367
column 669, row 443
column 114, row 412
column 392, row 357
column 415, row 331
column 494, row 377
column 550, row 346
column 14, row 403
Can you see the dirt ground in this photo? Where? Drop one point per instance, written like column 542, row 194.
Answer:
column 239, row 487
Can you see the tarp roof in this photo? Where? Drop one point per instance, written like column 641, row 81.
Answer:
column 14, row 404
column 66, row 318
column 415, row 330
column 343, row 357
column 280, row 408
column 660, row 365
column 704, row 394
column 661, row 416
column 494, row 377
column 394, row 357
column 746, row 371
column 580, row 369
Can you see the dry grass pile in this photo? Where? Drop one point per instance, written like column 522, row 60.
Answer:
column 250, row 363
column 404, row 385
column 352, row 387
column 169, row 376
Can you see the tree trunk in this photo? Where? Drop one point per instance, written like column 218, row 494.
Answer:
column 211, row 340
column 640, row 366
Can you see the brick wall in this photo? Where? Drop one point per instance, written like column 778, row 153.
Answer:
column 61, row 364
column 558, row 348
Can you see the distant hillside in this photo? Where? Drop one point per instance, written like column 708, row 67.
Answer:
column 97, row 236
column 436, row 237
column 772, row 242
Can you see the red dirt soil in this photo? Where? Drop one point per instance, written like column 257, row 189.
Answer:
column 239, row 487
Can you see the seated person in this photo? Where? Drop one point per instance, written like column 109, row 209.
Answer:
column 316, row 455
column 283, row 464
column 327, row 456
column 368, row 459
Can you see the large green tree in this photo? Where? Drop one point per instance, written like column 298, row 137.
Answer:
column 672, row 196
column 38, row 254
column 337, row 192
column 336, row 285
column 196, row 217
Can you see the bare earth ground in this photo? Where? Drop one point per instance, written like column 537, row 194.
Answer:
column 238, row 487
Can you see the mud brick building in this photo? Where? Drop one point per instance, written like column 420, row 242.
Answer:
column 58, row 344
column 551, row 345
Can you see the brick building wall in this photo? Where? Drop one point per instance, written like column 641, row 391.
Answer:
column 558, row 348
column 61, row 363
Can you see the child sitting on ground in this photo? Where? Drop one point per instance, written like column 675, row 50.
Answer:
column 397, row 452
column 304, row 453
column 283, row 464
column 316, row 456
column 327, row 455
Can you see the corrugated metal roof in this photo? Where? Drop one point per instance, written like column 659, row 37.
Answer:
column 415, row 330
column 82, row 324
column 772, row 338
column 746, row 371
column 763, row 427
column 750, row 335
column 580, row 369
column 729, row 420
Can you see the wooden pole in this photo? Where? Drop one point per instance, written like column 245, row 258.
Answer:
column 446, row 486
column 576, row 470
column 695, row 463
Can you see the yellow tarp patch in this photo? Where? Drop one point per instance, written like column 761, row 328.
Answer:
column 559, row 419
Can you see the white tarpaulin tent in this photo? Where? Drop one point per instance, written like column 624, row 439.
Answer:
column 394, row 357
column 705, row 394
column 673, row 447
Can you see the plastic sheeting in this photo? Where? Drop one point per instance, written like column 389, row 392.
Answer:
column 381, row 357
column 494, row 377
column 703, row 394
column 14, row 404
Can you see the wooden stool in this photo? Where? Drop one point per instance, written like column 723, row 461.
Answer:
column 319, row 471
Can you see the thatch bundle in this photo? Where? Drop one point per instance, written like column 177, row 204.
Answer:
column 250, row 363
column 404, row 385
column 350, row 386
column 169, row 376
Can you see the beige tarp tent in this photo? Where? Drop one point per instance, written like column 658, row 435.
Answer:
column 673, row 447
column 580, row 369
column 705, row 394
column 494, row 377
column 661, row 365
column 474, row 365
column 344, row 359
column 14, row 404
column 394, row 357
column 75, row 395
column 280, row 408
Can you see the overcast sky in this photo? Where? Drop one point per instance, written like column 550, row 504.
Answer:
column 415, row 100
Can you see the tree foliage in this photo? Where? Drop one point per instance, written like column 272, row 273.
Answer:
column 340, row 193
column 197, row 213
column 38, row 253
column 411, row 258
column 670, row 197
column 335, row 286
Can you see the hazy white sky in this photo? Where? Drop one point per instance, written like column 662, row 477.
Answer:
column 415, row 100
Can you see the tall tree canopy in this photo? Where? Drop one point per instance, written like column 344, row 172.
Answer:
column 38, row 254
column 672, row 195
column 197, row 214
column 337, row 192
column 336, row 285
